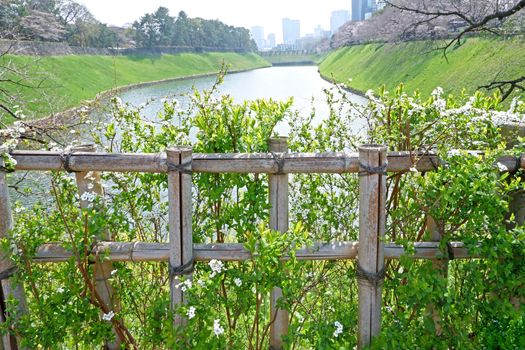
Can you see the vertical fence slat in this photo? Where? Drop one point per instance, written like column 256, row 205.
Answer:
column 372, row 216
column 180, row 230
column 278, row 188
column 90, row 182
column 511, row 134
column 8, row 286
column 441, row 267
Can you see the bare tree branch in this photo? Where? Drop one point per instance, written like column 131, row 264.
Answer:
column 506, row 87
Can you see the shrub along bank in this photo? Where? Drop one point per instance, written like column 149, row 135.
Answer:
column 56, row 83
column 420, row 65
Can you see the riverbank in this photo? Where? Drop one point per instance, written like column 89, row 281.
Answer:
column 419, row 66
column 60, row 83
column 284, row 59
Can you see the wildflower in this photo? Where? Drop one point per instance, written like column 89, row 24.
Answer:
column 217, row 328
column 109, row 316
column 338, row 329
column 201, row 283
column 216, row 267
column 114, row 272
column 60, row 290
column 191, row 312
column 237, row 282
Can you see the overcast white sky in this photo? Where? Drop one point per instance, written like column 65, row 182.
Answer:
column 243, row 13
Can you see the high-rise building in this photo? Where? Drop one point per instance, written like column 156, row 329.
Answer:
column 358, row 13
column 337, row 19
column 257, row 33
column 270, row 41
column 291, row 31
column 362, row 9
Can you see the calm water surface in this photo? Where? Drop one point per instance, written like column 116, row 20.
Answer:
column 303, row 83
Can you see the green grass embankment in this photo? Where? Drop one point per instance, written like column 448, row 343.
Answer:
column 289, row 59
column 419, row 66
column 66, row 81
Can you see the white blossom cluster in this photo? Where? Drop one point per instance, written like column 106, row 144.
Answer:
column 514, row 114
column 109, row 316
column 216, row 266
column 184, row 286
column 88, row 197
column 217, row 328
column 191, row 312
column 338, row 328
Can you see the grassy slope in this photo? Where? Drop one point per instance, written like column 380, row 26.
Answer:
column 419, row 66
column 69, row 80
column 294, row 58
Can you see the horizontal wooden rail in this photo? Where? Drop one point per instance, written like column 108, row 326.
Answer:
column 142, row 251
column 329, row 162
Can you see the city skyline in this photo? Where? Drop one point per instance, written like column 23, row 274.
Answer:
column 268, row 14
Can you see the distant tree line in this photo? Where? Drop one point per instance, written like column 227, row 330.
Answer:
column 53, row 20
column 160, row 29
column 70, row 22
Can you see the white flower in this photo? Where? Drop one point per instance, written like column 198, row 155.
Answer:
column 437, row 92
column 19, row 209
column 201, row 283
column 217, row 328
column 453, row 153
column 413, row 169
column 184, row 286
column 338, row 328
column 191, row 312
column 60, row 290
column 216, row 267
column 88, row 196
column 109, row 316
column 502, row 167
column 237, row 282
column 114, row 272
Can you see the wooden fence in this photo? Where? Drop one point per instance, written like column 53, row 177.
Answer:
column 371, row 163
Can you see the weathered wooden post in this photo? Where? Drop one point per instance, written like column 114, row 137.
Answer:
column 7, row 267
column 90, row 182
column 278, row 187
column 372, row 216
column 511, row 132
column 180, row 233
column 441, row 267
